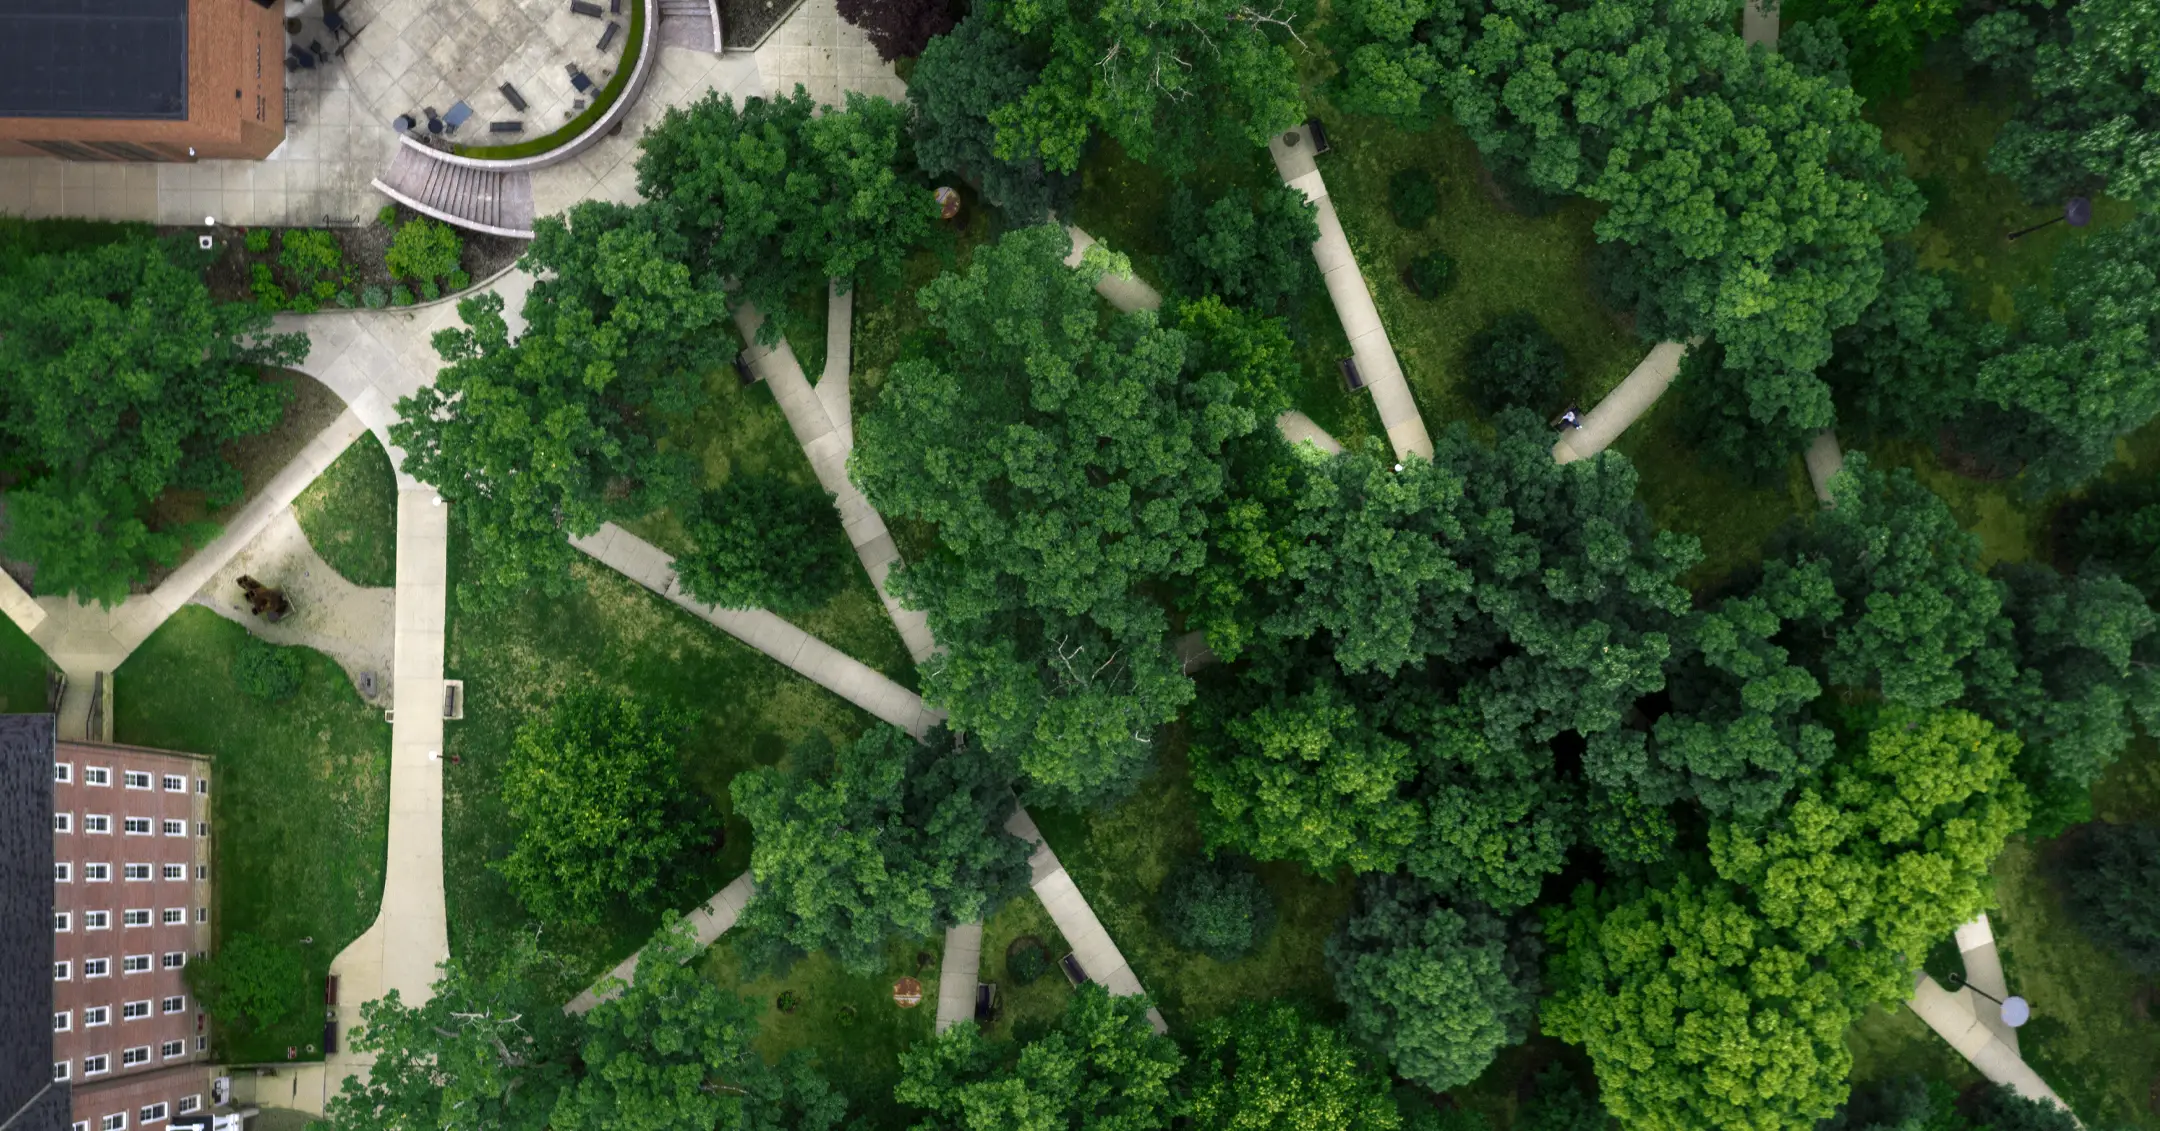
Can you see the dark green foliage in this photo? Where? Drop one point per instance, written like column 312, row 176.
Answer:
column 546, row 438
column 2005, row 1110
column 1560, row 1104
column 604, row 821
column 374, row 297
column 2092, row 119
column 1436, row 989
column 1218, row 907
column 1270, row 1066
column 266, row 671
column 1024, row 964
column 1887, row 37
column 961, row 78
column 1412, row 198
column 423, row 251
column 1432, row 274
column 764, row 542
column 120, row 379
column 1717, row 414
column 1514, row 362
column 250, row 981
column 2113, row 882
column 889, row 836
column 1254, row 249
column 1100, row 1066
column 400, row 295
column 1905, row 369
column 2117, row 527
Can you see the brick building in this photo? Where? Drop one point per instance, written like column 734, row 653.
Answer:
column 142, row 80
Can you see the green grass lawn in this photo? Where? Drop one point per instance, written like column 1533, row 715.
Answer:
column 1036, row 1006
column 22, row 672
column 300, row 800
column 609, row 633
column 350, row 514
column 848, row 1022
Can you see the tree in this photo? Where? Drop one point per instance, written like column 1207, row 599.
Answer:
column 424, row 251
column 1514, row 362
column 603, row 818
column 1100, row 1067
column 899, row 29
column 2113, row 887
column 1270, row 1066
column 1218, row 907
column 2082, row 367
column 1887, row 39
column 763, row 541
column 250, row 981
column 2093, row 119
column 960, row 79
column 779, row 198
column 1252, row 248
column 121, row 379
column 1437, row 989
column 547, row 437
column 2117, row 529
column 1905, row 369
column 485, row 1052
column 888, row 836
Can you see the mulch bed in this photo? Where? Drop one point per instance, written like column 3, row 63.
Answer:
column 744, row 22
column 364, row 247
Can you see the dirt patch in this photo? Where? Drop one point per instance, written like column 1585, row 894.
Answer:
column 349, row 624
column 230, row 276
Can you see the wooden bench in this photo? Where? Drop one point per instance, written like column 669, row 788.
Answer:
column 582, row 8
column 987, row 1006
column 453, row 699
column 1352, row 380
column 1318, row 134
column 743, row 372
column 1073, row 973
column 329, row 991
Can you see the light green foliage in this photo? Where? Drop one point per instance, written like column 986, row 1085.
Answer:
column 602, row 815
column 1271, row 1068
column 764, row 542
column 266, row 671
column 1252, row 248
column 960, row 79
column 780, row 198
column 2092, row 124
column 1436, row 989
column 1101, row 1067
column 1218, row 907
column 553, row 435
column 886, row 837
column 250, row 981
column 1069, row 459
column 423, row 251
column 2083, row 365
column 314, row 261
column 1156, row 76
column 121, row 379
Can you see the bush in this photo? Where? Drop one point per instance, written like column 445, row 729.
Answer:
column 1432, row 274
column 249, row 981
column 374, row 297
column 268, row 295
column 1514, row 362
column 1027, row 961
column 1218, row 908
column 387, row 215
column 2113, row 874
column 1252, row 249
column 400, row 295
column 763, row 542
column 266, row 671
column 429, row 291
column 257, row 240
column 346, row 299
column 313, row 261
column 424, row 251
column 458, row 280
column 1412, row 197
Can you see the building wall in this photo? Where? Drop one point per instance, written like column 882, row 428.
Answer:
column 183, row 1087
column 236, row 95
column 177, row 844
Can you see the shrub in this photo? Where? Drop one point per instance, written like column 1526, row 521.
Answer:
column 313, row 261
column 429, row 291
column 763, row 542
column 1026, row 962
column 1514, row 362
column 1219, row 908
column 257, row 240
column 268, row 295
column 386, row 215
column 458, row 280
column 266, row 671
column 400, row 295
column 346, row 299
column 374, row 297
column 1432, row 274
column 2114, row 890
column 1412, row 197
column 424, row 250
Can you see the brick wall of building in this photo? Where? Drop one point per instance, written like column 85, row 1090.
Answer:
column 131, row 906
column 145, row 1102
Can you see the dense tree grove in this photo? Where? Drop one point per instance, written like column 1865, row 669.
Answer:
column 2091, row 121
column 1099, row 1066
column 1271, row 1066
column 960, row 80
column 2114, row 882
column 764, row 542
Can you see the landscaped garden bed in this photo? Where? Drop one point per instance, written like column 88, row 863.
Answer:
column 399, row 258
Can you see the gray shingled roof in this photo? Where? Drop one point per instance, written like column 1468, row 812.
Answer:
column 29, row 1100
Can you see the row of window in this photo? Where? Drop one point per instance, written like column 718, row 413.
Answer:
column 132, row 964
column 98, row 1064
column 136, row 779
column 64, row 921
column 150, row 1113
column 96, row 1015
column 98, row 873
column 133, row 826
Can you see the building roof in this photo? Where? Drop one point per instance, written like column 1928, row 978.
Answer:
column 29, row 1099
column 94, row 59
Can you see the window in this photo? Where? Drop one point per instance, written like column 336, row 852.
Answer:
column 175, row 959
column 140, row 1054
column 138, row 871
column 175, row 915
column 202, row 914
column 202, row 871
column 135, row 964
column 176, row 828
column 175, row 1004
column 82, row 1125
column 154, row 1113
column 138, row 826
column 95, row 967
column 97, row 775
column 63, row 771
column 136, row 779
column 189, row 1105
column 136, row 917
column 176, row 871
column 60, row 1071
column 95, row 1015
column 96, row 920
column 202, row 1044
column 63, row 1021
column 96, row 1065
column 96, row 823
column 62, row 971
column 114, row 1122
column 63, row 822
column 97, row 873
column 171, row 1049
column 60, row 921
column 202, row 785
column 202, row 828
column 135, row 1011
column 174, row 783
column 62, row 873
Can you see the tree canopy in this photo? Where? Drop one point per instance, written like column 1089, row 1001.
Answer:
column 764, row 542
column 1099, row 1066
column 2092, row 120
column 960, row 80
column 1265, row 1067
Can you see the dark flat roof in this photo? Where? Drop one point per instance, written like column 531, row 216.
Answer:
column 93, row 59
column 29, row 1099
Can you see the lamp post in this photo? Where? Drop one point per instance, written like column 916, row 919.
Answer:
column 2077, row 212
column 2016, row 1011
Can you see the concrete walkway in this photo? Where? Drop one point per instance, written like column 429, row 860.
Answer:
column 1824, row 460
column 959, row 975
column 1759, row 23
column 1623, row 406
column 1369, row 345
column 1126, row 292
column 708, row 921
column 1097, row 952
column 352, row 624
column 1299, row 428
column 827, row 448
column 832, row 387
column 1972, row 1024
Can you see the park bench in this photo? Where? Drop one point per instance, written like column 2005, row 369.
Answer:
column 517, row 101
column 607, row 36
column 743, row 372
column 510, row 127
column 987, row 1006
column 1352, row 380
column 1073, row 973
column 583, row 8
column 453, row 699
column 1318, row 134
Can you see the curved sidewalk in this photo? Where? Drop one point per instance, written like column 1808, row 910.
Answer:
column 1623, row 406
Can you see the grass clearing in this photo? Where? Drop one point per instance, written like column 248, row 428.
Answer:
column 1687, row 493
column 1035, row 1007
column 300, row 804
column 22, row 671
column 611, row 633
column 350, row 514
